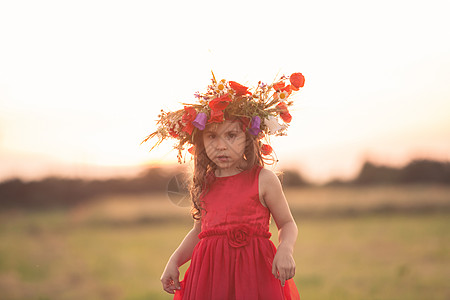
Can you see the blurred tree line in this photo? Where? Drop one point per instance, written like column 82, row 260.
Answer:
column 417, row 171
column 63, row 192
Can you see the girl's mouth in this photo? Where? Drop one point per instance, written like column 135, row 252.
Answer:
column 222, row 158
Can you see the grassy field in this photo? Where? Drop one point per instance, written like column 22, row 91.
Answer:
column 365, row 243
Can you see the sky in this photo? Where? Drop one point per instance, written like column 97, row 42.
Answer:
column 82, row 82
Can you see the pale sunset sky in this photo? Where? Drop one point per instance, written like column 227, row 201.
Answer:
column 82, row 82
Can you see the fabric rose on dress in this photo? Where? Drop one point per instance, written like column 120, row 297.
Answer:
column 239, row 88
column 297, row 81
column 238, row 236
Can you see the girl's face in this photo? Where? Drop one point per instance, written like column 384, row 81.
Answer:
column 225, row 145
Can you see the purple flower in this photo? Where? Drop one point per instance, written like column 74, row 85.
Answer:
column 254, row 125
column 200, row 121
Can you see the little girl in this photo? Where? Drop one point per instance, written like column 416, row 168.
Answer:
column 233, row 195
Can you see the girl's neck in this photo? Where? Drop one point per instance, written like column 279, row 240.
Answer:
column 226, row 172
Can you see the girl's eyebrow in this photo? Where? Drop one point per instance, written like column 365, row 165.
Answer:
column 231, row 131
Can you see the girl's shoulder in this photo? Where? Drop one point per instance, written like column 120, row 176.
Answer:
column 268, row 177
column 269, row 186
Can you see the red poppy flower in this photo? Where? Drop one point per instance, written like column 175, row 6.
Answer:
column 297, row 80
column 282, row 107
column 189, row 127
column 266, row 149
column 284, row 112
column 220, row 103
column 279, row 85
column 245, row 122
column 172, row 132
column 216, row 116
column 287, row 89
column 239, row 88
column 286, row 117
column 192, row 150
column 189, row 114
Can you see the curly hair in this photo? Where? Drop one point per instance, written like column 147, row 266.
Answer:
column 204, row 169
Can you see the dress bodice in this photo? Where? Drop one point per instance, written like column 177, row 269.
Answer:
column 234, row 200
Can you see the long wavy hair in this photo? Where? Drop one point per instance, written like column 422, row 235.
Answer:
column 204, row 168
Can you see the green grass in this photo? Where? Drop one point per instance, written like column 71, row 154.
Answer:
column 86, row 253
column 382, row 257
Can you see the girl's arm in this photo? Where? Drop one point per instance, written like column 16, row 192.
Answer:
column 170, row 276
column 283, row 266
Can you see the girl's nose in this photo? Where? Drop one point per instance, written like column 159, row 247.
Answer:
column 221, row 144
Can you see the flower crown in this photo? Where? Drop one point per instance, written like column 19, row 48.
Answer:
column 259, row 110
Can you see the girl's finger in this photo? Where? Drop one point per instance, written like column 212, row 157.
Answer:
column 168, row 288
column 289, row 274
column 276, row 275
column 176, row 283
column 275, row 271
column 282, row 277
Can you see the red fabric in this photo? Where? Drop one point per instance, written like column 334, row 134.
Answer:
column 233, row 260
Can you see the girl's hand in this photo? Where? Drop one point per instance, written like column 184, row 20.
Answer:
column 283, row 266
column 169, row 278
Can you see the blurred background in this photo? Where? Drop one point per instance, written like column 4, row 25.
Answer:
column 86, row 212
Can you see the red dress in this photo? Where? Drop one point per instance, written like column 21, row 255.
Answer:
column 233, row 259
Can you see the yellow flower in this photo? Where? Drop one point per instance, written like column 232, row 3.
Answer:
column 220, row 86
column 283, row 95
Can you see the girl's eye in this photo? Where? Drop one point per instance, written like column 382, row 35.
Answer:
column 211, row 136
column 231, row 135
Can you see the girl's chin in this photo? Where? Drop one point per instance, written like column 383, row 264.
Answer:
column 229, row 165
column 223, row 165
